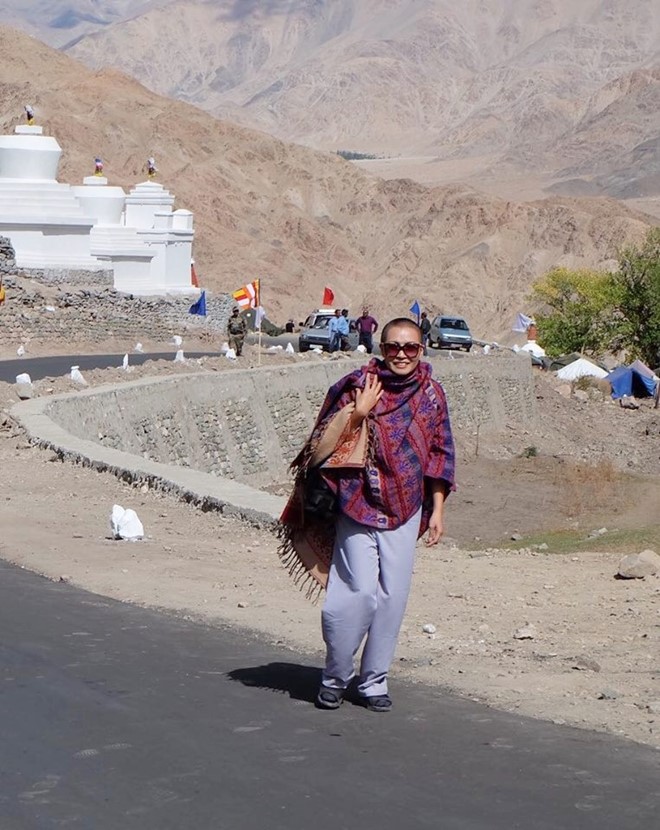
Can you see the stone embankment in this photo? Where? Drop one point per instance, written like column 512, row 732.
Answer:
column 216, row 438
column 64, row 306
column 97, row 315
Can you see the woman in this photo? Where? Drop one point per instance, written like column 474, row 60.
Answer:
column 383, row 446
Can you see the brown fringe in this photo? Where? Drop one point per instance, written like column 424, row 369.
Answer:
column 288, row 556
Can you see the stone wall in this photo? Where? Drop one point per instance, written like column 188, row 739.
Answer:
column 98, row 314
column 249, row 425
column 101, row 277
column 7, row 257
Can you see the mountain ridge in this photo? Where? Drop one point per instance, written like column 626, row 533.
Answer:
column 301, row 219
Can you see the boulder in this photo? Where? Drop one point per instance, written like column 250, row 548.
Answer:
column 639, row 565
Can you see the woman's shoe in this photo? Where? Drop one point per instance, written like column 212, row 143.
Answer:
column 378, row 703
column 328, row 698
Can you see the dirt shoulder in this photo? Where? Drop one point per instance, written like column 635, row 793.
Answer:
column 593, row 660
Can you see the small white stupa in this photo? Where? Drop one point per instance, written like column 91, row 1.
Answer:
column 43, row 219
column 140, row 238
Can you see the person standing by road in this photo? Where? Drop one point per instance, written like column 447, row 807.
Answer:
column 344, row 327
column 333, row 329
column 236, row 331
column 367, row 326
column 382, row 446
column 425, row 326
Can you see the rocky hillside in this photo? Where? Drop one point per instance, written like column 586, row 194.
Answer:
column 301, row 219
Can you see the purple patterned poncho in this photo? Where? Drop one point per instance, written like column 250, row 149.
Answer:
column 409, row 445
column 410, row 442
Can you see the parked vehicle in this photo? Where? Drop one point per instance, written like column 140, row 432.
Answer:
column 450, row 333
column 315, row 333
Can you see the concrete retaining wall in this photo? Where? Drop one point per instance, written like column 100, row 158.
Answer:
column 214, row 438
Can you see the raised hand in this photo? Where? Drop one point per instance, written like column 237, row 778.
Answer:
column 367, row 398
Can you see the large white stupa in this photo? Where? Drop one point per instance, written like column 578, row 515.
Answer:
column 92, row 227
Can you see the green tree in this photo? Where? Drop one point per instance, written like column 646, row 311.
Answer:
column 577, row 310
column 638, row 286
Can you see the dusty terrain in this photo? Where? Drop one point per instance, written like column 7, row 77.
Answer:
column 593, row 660
column 300, row 219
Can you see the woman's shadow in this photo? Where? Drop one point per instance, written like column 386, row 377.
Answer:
column 299, row 682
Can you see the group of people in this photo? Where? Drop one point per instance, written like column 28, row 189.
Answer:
column 372, row 478
column 367, row 326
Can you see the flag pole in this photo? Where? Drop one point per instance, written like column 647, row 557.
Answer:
column 258, row 313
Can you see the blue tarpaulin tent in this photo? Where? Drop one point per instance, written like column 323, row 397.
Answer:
column 636, row 380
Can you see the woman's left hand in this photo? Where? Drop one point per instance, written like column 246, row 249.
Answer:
column 436, row 529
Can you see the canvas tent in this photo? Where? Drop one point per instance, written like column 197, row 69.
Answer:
column 581, row 368
column 533, row 347
column 636, row 380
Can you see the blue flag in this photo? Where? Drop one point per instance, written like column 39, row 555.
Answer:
column 200, row 306
column 416, row 310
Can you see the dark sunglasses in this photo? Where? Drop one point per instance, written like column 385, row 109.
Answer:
column 410, row 350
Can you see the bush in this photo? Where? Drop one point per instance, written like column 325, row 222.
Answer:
column 599, row 311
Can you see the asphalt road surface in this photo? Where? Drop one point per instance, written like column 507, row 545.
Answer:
column 58, row 365
column 118, row 718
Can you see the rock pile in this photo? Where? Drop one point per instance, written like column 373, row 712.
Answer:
column 7, row 257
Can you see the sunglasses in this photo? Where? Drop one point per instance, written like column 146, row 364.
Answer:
column 410, row 350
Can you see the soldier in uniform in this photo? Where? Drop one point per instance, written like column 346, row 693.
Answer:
column 236, row 331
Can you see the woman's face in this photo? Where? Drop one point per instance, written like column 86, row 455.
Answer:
column 396, row 360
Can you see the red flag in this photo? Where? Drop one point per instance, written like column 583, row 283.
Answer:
column 328, row 296
column 193, row 275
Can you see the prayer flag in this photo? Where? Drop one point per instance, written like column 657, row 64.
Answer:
column 247, row 296
column 193, row 274
column 522, row 322
column 328, row 296
column 259, row 314
column 416, row 310
column 200, row 306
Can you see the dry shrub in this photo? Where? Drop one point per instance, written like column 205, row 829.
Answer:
column 588, row 486
column 586, row 383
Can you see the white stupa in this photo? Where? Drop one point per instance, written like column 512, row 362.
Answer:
column 93, row 226
column 43, row 219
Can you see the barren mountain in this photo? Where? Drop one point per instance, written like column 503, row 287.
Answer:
column 301, row 219
column 59, row 23
column 535, row 85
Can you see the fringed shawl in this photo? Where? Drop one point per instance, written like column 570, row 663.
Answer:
column 409, row 443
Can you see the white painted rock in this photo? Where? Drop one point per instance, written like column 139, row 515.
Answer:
column 76, row 376
column 429, row 628
column 125, row 524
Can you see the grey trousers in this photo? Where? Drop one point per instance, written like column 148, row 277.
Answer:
column 368, row 589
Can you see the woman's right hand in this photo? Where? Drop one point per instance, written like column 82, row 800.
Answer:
column 367, row 398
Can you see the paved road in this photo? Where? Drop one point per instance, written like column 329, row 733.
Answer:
column 117, row 718
column 57, row 365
